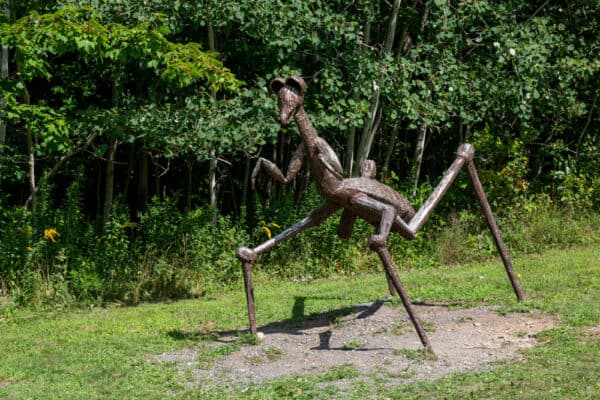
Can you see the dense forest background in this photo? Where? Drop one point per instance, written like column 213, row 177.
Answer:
column 129, row 129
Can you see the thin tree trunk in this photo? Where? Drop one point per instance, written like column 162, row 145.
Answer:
column 73, row 152
column 188, row 184
column 99, row 181
column 368, row 133
column 110, row 161
column 351, row 140
column 212, row 183
column 3, row 74
column 587, row 124
column 143, row 182
column 349, row 158
column 130, row 170
column 370, row 128
column 419, row 151
column 110, row 182
column 212, row 169
column 391, row 32
column 390, row 150
column 157, row 175
column 30, row 153
column 245, row 185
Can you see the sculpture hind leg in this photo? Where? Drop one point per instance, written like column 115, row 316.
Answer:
column 388, row 214
column 247, row 255
column 386, row 260
column 378, row 243
column 491, row 222
column 464, row 157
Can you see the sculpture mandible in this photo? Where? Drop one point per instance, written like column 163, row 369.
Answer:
column 362, row 197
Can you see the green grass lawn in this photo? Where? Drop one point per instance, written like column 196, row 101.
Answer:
column 108, row 353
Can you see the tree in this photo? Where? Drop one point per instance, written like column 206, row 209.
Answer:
column 110, row 53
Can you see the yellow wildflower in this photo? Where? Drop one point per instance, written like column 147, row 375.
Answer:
column 267, row 231
column 29, row 248
column 265, row 227
column 50, row 234
column 129, row 225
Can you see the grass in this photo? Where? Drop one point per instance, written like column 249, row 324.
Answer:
column 418, row 355
column 108, row 353
column 353, row 345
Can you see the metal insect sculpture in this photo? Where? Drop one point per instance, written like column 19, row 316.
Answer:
column 361, row 197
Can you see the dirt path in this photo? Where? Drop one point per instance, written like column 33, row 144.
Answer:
column 377, row 339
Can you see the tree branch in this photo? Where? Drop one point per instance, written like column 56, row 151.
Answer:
column 73, row 152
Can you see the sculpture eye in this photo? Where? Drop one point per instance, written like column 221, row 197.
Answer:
column 294, row 85
column 277, row 84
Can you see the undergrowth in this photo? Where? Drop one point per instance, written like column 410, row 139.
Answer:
column 162, row 253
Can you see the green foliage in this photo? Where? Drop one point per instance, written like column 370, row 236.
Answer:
column 518, row 80
column 78, row 31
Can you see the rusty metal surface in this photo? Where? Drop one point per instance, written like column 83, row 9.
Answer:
column 489, row 217
column 363, row 197
column 386, row 260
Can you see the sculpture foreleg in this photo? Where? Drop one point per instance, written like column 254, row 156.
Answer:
column 273, row 170
column 247, row 256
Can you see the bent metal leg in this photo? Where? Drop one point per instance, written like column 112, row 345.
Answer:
column 386, row 260
column 247, row 256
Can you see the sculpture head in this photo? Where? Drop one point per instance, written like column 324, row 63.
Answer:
column 290, row 93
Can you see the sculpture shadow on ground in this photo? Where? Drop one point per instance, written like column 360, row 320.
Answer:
column 298, row 322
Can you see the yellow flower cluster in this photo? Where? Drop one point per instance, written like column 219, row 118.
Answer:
column 51, row 234
column 265, row 227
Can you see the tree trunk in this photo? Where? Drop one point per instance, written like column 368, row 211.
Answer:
column 351, row 140
column 130, row 170
column 143, row 182
column 390, row 150
column 157, row 175
column 30, row 153
column 110, row 160
column 110, row 182
column 188, row 184
column 212, row 169
column 212, row 183
column 3, row 75
column 372, row 124
column 391, row 32
column 368, row 133
column 419, row 150
column 245, row 185
column 349, row 158
column 585, row 127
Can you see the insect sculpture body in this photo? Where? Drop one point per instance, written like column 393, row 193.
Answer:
column 362, row 197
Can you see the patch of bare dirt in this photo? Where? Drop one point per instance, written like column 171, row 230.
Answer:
column 594, row 330
column 379, row 340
